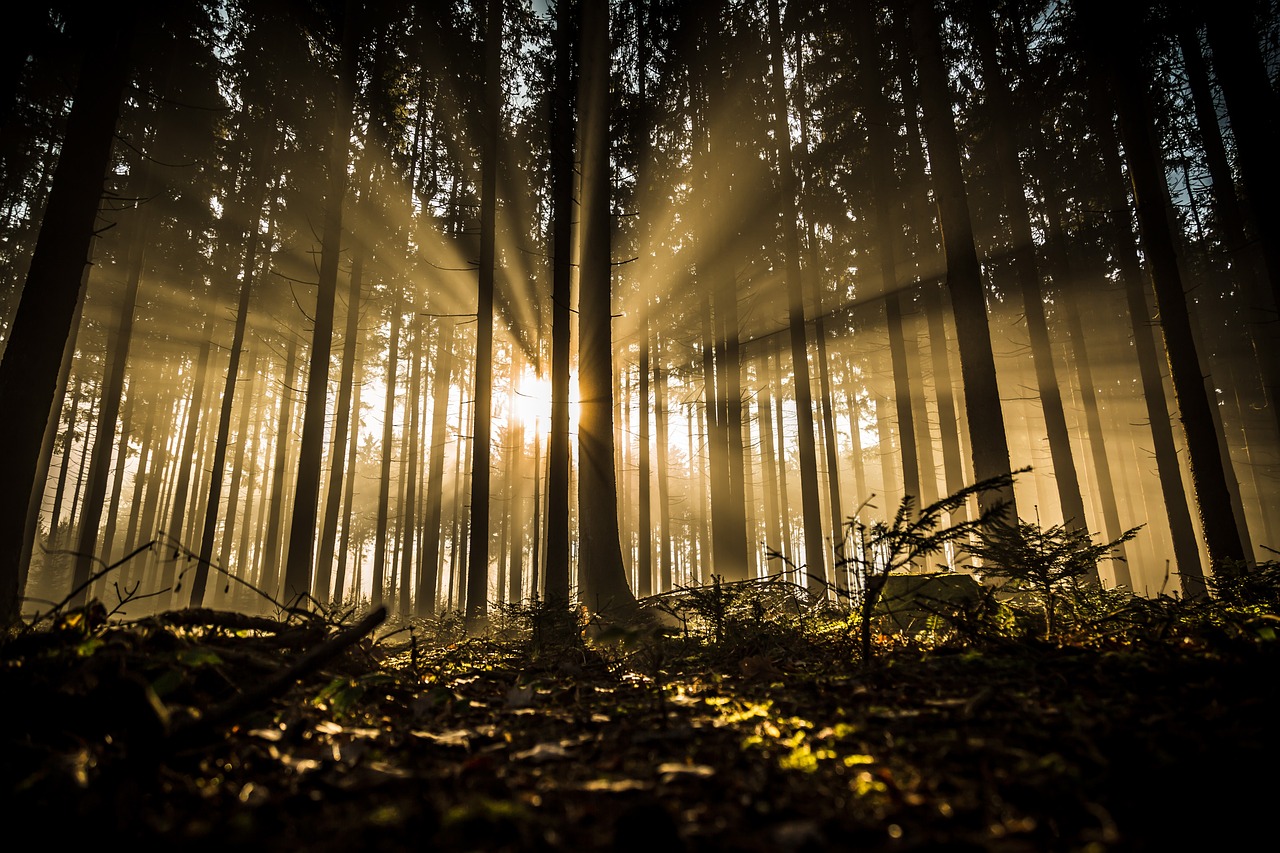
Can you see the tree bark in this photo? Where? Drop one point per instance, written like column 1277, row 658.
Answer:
column 478, row 558
column 989, row 444
column 440, row 382
column 602, row 576
column 1150, row 193
column 302, row 530
column 1022, row 249
column 388, row 445
column 42, row 324
column 343, row 431
column 556, row 577
column 815, row 567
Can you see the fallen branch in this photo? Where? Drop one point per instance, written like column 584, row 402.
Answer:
column 281, row 681
column 203, row 617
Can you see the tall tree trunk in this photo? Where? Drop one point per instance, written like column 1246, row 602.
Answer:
column 38, row 335
column 989, row 444
column 353, row 450
column 243, row 448
column 644, row 527
column 535, row 546
column 665, row 532
column 644, row 198
column 195, row 412
column 1150, row 192
column 1186, row 552
column 344, row 430
column 556, row 578
column 128, row 405
column 764, row 408
column 815, row 567
column 302, row 530
column 817, row 284
column 410, row 442
column 1245, row 260
column 515, row 498
column 922, row 437
column 920, row 221
column 440, row 382
column 713, row 378
column 855, row 434
column 388, row 445
column 1088, row 392
column 39, row 483
column 601, row 574
column 478, row 559
column 147, row 452
column 270, row 573
column 901, row 388
column 247, row 274
column 784, row 491
column 1253, row 107
column 1022, row 249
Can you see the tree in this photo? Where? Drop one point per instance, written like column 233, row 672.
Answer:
column 556, row 581
column 1022, row 248
column 987, row 436
column 478, row 558
column 815, row 566
column 601, row 575
column 38, row 335
column 1126, row 77
column 302, row 531
column 247, row 275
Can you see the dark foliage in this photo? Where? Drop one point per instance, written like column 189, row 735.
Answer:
column 739, row 717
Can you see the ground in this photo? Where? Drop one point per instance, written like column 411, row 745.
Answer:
column 202, row 730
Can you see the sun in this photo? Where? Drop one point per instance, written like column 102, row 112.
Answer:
column 531, row 401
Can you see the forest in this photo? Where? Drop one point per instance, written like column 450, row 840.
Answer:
column 631, row 424
column 695, row 284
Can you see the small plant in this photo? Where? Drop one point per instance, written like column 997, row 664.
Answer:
column 880, row 548
column 1049, row 563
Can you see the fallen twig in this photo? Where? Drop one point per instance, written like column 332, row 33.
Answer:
column 281, row 681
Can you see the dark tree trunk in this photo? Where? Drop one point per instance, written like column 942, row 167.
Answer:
column 388, row 445
column 602, row 576
column 353, row 450
column 989, row 445
column 440, row 381
column 302, row 530
column 556, row 576
column 410, row 441
column 345, row 425
column 478, row 558
column 1150, row 192
column 36, row 502
column 195, row 412
column 815, row 567
column 244, row 443
column 644, row 571
column 112, row 389
column 664, row 475
column 1245, row 257
column 38, row 335
column 1186, row 552
column 1022, row 249
column 248, row 271
column 1254, row 110
column 284, row 436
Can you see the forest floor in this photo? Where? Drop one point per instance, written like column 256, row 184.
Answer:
column 204, row 730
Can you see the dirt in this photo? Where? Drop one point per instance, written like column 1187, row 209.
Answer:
column 201, row 730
